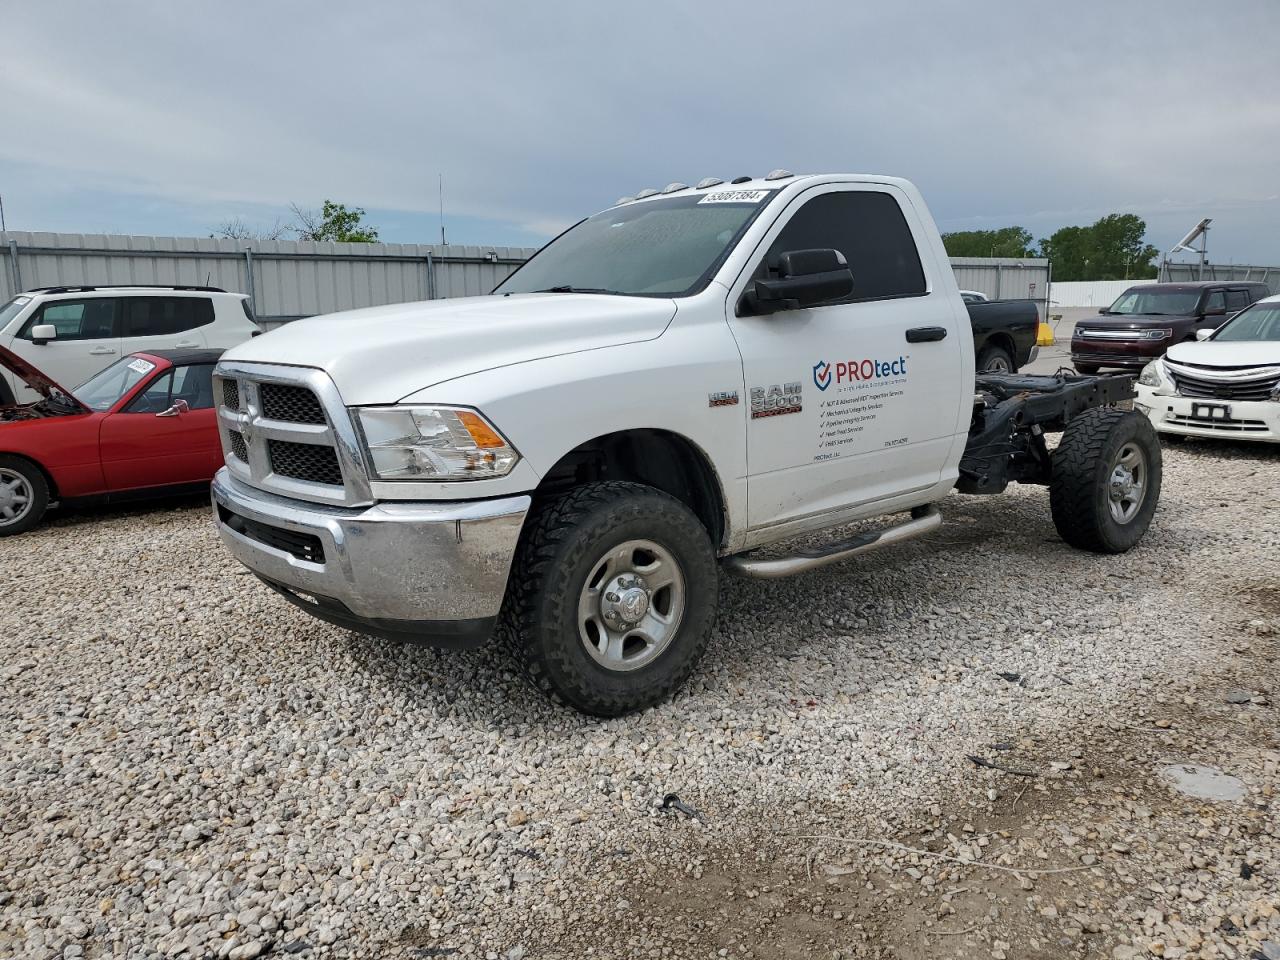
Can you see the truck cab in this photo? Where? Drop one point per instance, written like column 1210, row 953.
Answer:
column 686, row 376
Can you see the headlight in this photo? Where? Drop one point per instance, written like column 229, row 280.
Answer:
column 1156, row 334
column 1152, row 374
column 433, row 443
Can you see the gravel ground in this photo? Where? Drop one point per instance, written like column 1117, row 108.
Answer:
column 189, row 767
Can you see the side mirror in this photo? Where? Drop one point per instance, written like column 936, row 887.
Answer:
column 1105, row 311
column 1203, row 334
column 43, row 333
column 179, row 406
column 806, row 278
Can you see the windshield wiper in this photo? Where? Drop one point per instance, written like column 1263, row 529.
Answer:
column 565, row 288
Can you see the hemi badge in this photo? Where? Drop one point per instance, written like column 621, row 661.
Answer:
column 723, row 398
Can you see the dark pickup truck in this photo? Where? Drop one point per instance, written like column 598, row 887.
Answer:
column 1004, row 333
column 1147, row 320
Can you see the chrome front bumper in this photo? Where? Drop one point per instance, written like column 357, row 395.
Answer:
column 433, row 571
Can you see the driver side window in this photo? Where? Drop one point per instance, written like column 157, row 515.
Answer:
column 1216, row 301
column 154, row 399
column 868, row 228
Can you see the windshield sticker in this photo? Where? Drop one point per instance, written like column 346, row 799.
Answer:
column 138, row 365
column 735, row 196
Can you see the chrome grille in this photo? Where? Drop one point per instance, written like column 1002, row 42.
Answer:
column 290, row 404
column 286, row 430
column 1256, row 388
column 238, row 448
column 231, row 394
column 304, row 461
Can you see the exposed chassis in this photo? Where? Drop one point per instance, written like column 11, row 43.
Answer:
column 1012, row 413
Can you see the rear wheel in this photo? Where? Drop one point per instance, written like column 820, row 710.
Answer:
column 995, row 359
column 1106, row 480
column 24, row 495
column 612, row 597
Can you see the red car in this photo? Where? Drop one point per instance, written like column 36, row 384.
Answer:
column 145, row 425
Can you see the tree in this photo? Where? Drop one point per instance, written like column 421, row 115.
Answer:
column 1113, row 248
column 334, row 222
column 1005, row 242
column 235, row 228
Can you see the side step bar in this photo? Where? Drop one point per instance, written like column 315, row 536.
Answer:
column 928, row 519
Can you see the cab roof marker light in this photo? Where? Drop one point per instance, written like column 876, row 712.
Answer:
column 707, row 182
column 646, row 192
column 621, row 200
column 779, row 174
column 675, row 185
column 740, row 180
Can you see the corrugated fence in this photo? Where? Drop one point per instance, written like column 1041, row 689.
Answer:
column 288, row 279
column 1184, row 272
column 1091, row 293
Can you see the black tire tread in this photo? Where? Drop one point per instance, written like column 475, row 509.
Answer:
column 1073, row 492
column 548, row 534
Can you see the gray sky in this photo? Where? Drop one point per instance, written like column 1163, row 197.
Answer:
column 170, row 117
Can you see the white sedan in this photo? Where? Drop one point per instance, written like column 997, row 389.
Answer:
column 1226, row 383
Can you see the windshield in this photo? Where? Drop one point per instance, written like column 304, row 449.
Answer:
column 1162, row 302
column 1258, row 322
column 12, row 309
column 101, row 392
column 666, row 247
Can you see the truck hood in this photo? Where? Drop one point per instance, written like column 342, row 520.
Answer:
column 1227, row 354
column 383, row 354
column 35, row 379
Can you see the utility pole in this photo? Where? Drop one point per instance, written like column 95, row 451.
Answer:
column 443, row 241
column 3, row 228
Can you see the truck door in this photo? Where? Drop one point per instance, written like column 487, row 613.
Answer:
column 857, row 401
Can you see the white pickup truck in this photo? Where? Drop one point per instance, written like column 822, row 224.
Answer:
column 565, row 465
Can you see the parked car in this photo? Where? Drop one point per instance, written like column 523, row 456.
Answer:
column 71, row 333
column 973, row 296
column 1226, row 384
column 1004, row 334
column 1148, row 319
column 144, row 426
column 678, row 380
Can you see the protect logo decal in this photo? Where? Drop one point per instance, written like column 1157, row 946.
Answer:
column 822, row 375
column 851, row 371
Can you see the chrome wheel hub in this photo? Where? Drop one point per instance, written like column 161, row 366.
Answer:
column 631, row 605
column 1127, row 486
column 15, row 497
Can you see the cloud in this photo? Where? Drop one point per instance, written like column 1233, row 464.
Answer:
column 537, row 114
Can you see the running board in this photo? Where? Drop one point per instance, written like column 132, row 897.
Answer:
column 929, row 519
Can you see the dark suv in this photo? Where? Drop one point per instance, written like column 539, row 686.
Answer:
column 1147, row 320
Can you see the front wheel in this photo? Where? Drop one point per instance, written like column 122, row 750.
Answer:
column 24, row 495
column 612, row 597
column 1106, row 480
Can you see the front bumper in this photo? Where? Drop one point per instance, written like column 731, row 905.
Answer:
column 1244, row 420
column 429, row 571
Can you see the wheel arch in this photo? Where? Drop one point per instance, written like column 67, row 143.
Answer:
column 660, row 458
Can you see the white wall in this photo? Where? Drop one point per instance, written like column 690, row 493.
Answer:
column 1089, row 293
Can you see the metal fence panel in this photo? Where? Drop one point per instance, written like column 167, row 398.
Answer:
column 287, row 279
column 1187, row 272
column 1091, row 293
column 1005, row 278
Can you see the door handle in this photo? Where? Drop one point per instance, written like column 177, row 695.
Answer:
column 102, row 352
column 184, row 344
column 926, row 334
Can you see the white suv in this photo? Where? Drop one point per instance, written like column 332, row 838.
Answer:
column 71, row 333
